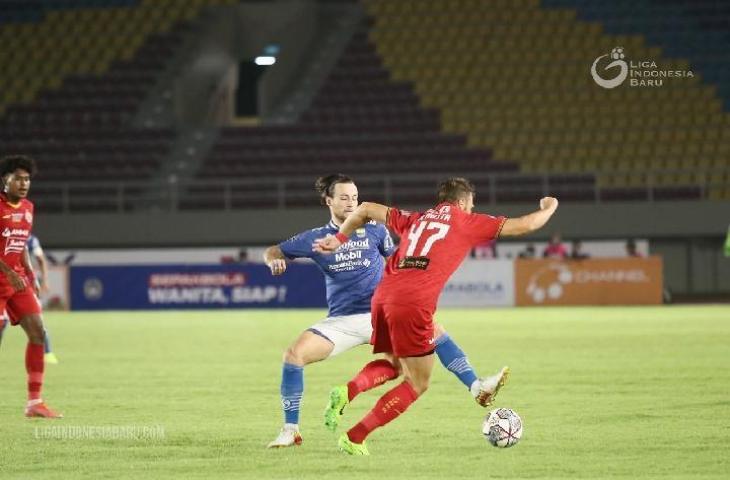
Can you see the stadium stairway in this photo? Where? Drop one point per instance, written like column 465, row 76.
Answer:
column 337, row 24
column 514, row 77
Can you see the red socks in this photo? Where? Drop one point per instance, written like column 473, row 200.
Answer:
column 34, row 366
column 388, row 407
column 372, row 375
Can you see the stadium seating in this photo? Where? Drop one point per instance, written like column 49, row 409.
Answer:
column 514, row 77
column 87, row 66
column 695, row 29
column 500, row 92
column 366, row 124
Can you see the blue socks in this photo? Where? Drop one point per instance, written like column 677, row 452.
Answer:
column 292, row 387
column 46, row 341
column 455, row 360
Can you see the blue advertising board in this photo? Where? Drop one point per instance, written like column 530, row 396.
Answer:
column 195, row 287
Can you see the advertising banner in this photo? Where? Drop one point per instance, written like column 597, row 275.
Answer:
column 195, row 287
column 480, row 283
column 604, row 281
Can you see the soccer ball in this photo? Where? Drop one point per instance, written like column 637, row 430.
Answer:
column 502, row 427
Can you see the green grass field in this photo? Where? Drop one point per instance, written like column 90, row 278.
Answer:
column 603, row 392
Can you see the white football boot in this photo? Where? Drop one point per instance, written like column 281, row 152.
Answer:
column 289, row 436
column 486, row 388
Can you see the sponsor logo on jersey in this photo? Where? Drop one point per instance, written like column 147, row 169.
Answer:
column 363, row 244
column 345, row 256
column 16, row 239
column 15, row 232
column 421, row 263
column 28, row 216
column 14, row 217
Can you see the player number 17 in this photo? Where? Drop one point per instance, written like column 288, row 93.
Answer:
column 441, row 229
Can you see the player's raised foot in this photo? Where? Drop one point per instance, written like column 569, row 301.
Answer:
column 288, row 437
column 38, row 409
column 351, row 448
column 485, row 389
column 335, row 407
column 50, row 358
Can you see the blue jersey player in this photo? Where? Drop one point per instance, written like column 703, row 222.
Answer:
column 351, row 274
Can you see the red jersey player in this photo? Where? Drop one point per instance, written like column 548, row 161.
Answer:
column 433, row 245
column 16, row 281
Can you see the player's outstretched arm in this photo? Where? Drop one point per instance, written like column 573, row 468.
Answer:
column 363, row 214
column 275, row 260
column 532, row 221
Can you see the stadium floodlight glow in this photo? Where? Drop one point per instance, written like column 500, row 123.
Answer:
column 265, row 60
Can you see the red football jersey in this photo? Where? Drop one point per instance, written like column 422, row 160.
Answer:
column 16, row 222
column 433, row 245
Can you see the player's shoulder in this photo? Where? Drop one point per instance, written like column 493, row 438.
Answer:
column 403, row 213
column 315, row 232
column 483, row 216
column 27, row 203
column 303, row 234
column 373, row 226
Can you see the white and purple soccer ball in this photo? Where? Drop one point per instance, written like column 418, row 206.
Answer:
column 502, row 427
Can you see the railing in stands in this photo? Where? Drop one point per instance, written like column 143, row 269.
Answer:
column 411, row 189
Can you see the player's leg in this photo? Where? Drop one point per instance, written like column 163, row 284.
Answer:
column 410, row 335
column 373, row 374
column 48, row 355
column 24, row 309
column 417, row 375
column 33, row 326
column 3, row 324
column 308, row 348
column 454, row 360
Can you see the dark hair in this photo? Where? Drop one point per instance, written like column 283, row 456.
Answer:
column 325, row 186
column 454, row 189
column 11, row 163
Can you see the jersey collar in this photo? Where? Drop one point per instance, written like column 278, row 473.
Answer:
column 5, row 199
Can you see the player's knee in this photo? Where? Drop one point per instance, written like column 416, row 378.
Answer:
column 293, row 357
column 420, row 385
column 394, row 362
column 36, row 334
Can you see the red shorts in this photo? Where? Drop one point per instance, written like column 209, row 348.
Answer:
column 18, row 304
column 403, row 330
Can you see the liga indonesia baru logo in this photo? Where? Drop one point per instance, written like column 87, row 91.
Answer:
column 643, row 73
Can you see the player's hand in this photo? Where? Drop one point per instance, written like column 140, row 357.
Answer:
column 16, row 281
column 277, row 266
column 548, row 203
column 44, row 289
column 328, row 244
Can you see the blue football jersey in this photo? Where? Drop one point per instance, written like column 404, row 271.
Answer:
column 34, row 246
column 353, row 271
